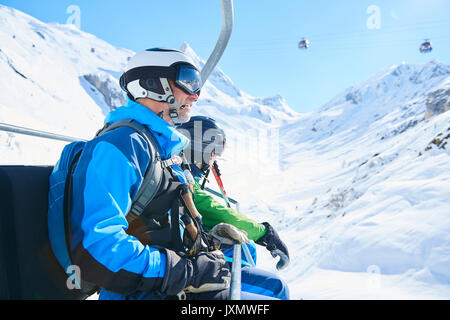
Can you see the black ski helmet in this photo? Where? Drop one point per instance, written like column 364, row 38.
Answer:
column 205, row 136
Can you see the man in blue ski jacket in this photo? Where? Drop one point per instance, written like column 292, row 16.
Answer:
column 101, row 232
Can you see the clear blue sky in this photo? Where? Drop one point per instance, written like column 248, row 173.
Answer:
column 348, row 42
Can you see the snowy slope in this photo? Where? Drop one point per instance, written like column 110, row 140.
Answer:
column 367, row 214
column 43, row 85
column 358, row 189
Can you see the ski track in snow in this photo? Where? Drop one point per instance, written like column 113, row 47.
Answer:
column 357, row 189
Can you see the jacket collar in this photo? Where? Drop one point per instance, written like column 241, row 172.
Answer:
column 170, row 140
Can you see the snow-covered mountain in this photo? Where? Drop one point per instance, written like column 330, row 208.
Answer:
column 367, row 211
column 358, row 189
column 58, row 78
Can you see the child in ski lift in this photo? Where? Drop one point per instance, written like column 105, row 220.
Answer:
column 207, row 142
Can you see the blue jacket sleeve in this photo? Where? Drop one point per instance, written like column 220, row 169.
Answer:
column 105, row 180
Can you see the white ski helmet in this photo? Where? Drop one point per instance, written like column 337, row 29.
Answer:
column 148, row 72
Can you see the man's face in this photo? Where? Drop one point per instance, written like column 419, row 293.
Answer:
column 186, row 100
column 184, row 114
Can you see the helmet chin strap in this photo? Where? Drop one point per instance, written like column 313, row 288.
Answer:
column 174, row 116
column 168, row 97
column 173, row 107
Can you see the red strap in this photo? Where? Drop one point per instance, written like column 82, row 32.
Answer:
column 219, row 182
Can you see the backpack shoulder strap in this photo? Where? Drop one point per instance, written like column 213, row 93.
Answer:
column 153, row 175
column 149, row 187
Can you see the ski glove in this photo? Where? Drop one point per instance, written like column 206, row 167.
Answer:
column 276, row 247
column 206, row 271
column 229, row 234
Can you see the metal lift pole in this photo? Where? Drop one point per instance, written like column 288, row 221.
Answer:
column 36, row 133
column 225, row 34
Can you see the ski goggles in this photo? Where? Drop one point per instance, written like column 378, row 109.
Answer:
column 188, row 79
